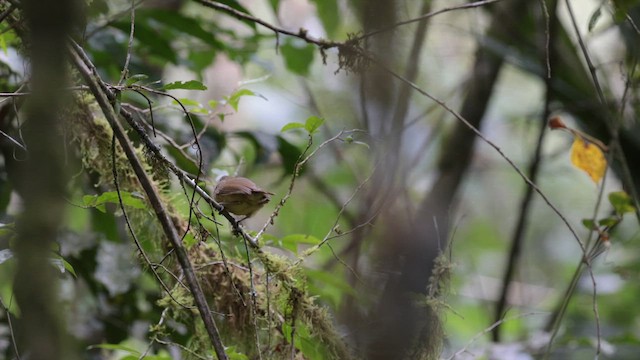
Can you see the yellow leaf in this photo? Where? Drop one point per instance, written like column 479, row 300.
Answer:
column 589, row 158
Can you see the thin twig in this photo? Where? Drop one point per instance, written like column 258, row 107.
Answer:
column 14, row 141
column 426, row 16
column 11, row 332
column 547, row 34
column 488, row 142
column 125, row 69
column 333, row 228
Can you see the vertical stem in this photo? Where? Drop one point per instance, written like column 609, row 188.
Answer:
column 43, row 177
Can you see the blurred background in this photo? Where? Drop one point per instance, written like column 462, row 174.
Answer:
column 413, row 235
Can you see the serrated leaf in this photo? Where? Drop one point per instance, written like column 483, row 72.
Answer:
column 621, row 202
column 313, row 123
column 291, row 126
column 234, row 98
column 298, row 56
column 186, row 85
column 588, row 157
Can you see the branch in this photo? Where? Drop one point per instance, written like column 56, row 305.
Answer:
column 161, row 213
column 301, row 34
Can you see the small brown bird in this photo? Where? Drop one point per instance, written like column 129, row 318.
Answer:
column 240, row 196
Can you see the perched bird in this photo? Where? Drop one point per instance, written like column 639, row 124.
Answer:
column 240, row 196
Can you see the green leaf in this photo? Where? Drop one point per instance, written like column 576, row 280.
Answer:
column 289, row 154
column 189, row 240
column 233, row 354
column 179, row 22
column 313, row 123
column 199, row 110
column 199, row 59
column 136, row 78
column 3, row 44
column 133, row 200
column 329, row 15
column 291, row 126
column 147, row 38
column 236, row 5
column 291, row 242
column 610, row 221
column 69, row 268
column 275, row 4
column 621, row 202
column 186, row 102
column 269, row 239
column 234, row 98
column 298, row 56
column 589, row 224
column 188, row 85
column 262, row 143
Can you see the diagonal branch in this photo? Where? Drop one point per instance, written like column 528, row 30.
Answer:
column 156, row 203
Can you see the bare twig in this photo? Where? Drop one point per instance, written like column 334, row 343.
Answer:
column 333, row 228
column 547, row 34
column 302, row 160
column 427, row 16
column 488, row 142
column 14, row 141
column 10, row 323
column 125, row 69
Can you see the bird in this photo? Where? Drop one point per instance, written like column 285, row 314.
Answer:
column 240, row 196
